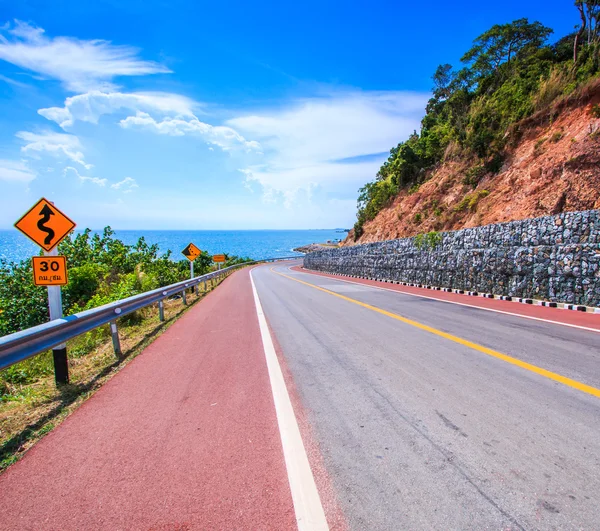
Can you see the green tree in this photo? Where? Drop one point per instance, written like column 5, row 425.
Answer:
column 589, row 29
column 502, row 43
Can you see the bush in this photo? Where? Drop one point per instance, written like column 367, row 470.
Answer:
column 102, row 269
column 474, row 175
column 470, row 201
column 427, row 241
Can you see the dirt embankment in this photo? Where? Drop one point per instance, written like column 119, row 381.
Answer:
column 552, row 165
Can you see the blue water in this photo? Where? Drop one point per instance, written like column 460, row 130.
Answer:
column 256, row 244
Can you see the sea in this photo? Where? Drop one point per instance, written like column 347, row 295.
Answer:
column 255, row 244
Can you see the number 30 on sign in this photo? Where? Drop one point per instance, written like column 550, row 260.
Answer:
column 49, row 270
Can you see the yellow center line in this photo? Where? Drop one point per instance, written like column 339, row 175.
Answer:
column 490, row 352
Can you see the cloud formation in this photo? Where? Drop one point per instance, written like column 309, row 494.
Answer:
column 225, row 137
column 90, row 106
column 55, row 144
column 16, row 171
column 158, row 112
column 127, row 185
column 81, row 65
column 83, row 178
column 328, row 142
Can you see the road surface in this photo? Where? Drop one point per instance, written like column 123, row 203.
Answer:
column 408, row 413
column 421, row 432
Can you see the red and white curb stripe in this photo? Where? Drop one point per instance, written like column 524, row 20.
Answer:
column 535, row 302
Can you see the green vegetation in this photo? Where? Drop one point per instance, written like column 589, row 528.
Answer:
column 595, row 111
column 509, row 74
column 469, row 201
column 102, row 269
column 428, row 241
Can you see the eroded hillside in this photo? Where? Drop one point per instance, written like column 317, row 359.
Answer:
column 551, row 164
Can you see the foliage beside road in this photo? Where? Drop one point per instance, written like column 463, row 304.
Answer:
column 101, row 269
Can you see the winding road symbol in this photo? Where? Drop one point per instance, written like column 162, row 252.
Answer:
column 46, row 212
column 45, row 224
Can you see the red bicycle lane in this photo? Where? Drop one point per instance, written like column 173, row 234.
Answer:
column 184, row 437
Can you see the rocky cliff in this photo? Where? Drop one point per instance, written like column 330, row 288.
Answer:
column 551, row 165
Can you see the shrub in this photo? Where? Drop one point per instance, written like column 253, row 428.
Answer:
column 556, row 137
column 595, row 111
column 474, row 175
column 470, row 201
column 427, row 241
column 537, row 148
column 414, row 189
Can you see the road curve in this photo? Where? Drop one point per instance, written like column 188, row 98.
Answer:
column 413, row 413
column 419, row 431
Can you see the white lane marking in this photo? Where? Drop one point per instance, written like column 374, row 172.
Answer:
column 307, row 503
column 454, row 302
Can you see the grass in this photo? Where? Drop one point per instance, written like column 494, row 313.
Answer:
column 469, row 202
column 31, row 410
column 537, row 149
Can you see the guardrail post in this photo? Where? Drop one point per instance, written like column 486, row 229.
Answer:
column 183, row 298
column 114, row 332
column 161, row 310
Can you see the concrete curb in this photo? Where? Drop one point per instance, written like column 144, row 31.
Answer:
column 508, row 298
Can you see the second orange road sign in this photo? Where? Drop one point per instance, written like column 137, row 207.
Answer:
column 45, row 225
column 219, row 258
column 49, row 270
column 191, row 252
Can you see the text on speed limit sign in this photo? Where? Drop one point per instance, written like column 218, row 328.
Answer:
column 49, row 270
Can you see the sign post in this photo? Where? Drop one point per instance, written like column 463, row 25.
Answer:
column 47, row 226
column 59, row 353
column 191, row 252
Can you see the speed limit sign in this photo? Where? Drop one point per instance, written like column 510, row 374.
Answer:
column 49, row 270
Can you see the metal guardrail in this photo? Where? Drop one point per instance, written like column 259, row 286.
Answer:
column 32, row 341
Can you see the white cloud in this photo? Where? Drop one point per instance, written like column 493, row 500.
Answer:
column 83, row 178
column 53, row 143
column 13, row 82
column 81, row 65
column 90, row 106
column 126, row 185
column 312, row 143
column 224, row 137
column 16, row 171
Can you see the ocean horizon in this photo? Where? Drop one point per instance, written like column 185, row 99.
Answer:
column 256, row 244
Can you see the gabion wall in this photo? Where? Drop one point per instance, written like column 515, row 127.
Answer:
column 555, row 258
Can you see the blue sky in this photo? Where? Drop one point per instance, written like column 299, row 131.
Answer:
column 220, row 115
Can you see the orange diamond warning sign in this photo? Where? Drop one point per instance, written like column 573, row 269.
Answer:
column 45, row 225
column 191, row 252
column 49, row 270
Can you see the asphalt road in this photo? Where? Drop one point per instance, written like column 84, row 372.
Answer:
column 419, row 430
column 362, row 408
